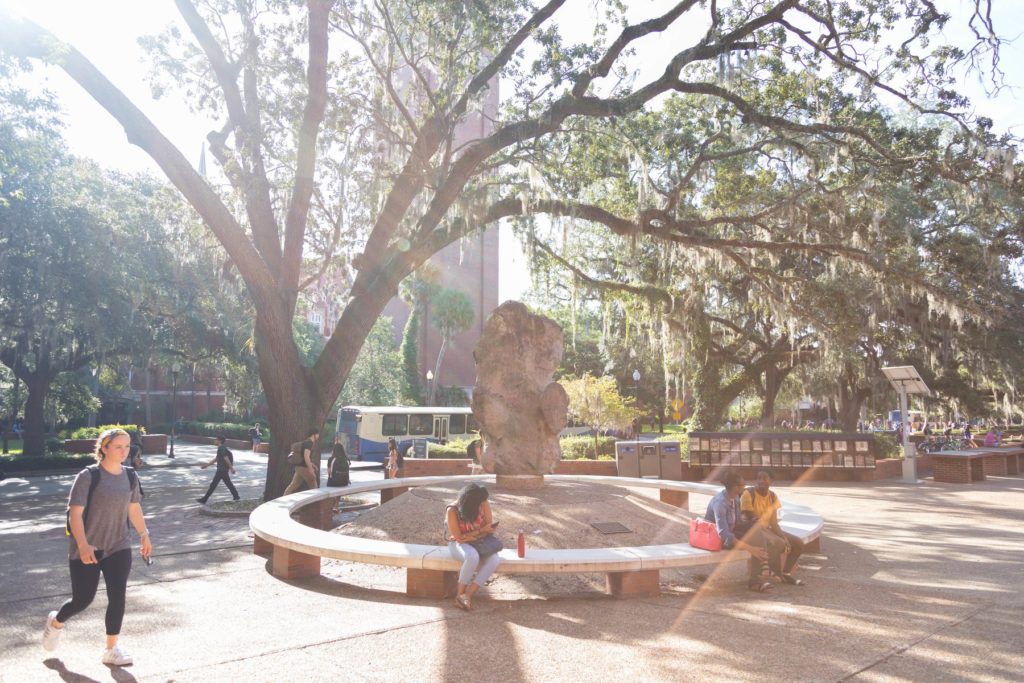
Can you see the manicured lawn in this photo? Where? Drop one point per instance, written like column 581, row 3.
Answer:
column 669, row 428
column 14, row 446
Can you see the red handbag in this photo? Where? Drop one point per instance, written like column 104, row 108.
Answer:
column 704, row 535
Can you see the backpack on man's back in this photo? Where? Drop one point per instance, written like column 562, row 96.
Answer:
column 296, row 456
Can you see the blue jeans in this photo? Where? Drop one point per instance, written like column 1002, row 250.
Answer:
column 472, row 564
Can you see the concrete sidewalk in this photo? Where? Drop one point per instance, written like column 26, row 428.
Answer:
column 916, row 583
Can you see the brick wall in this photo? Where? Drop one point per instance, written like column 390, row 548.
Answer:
column 995, row 466
column 602, row 468
column 953, row 471
column 439, row 467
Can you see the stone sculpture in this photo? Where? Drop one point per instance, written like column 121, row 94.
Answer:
column 519, row 408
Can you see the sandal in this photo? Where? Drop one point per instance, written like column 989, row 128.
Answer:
column 462, row 602
column 760, row 586
column 791, row 580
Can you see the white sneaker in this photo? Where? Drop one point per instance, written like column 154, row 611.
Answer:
column 51, row 634
column 116, row 656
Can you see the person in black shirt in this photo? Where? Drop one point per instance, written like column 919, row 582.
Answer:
column 225, row 468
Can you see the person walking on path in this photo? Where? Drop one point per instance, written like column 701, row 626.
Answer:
column 303, row 454
column 395, row 460
column 256, row 435
column 103, row 505
column 225, row 460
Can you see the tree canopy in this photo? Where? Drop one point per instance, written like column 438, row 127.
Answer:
column 345, row 137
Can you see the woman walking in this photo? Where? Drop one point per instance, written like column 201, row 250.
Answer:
column 104, row 500
column 394, row 460
column 469, row 521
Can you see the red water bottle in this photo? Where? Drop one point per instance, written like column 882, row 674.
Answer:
column 521, row 545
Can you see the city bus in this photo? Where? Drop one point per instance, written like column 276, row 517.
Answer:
column 365, row 430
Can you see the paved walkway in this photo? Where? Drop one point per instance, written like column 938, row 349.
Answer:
column 916, row 583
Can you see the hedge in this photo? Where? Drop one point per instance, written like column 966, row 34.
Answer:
column 231, row 430
column 582, row 447
column 455, row 448
column 94, row 432
column 573, row 448
column 886, row 446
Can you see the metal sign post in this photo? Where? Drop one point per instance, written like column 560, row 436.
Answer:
column 906, row 380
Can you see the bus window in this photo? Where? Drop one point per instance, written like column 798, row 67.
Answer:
column 457, row 424
column 394, row 425
column 471, row 425
column 421, row 425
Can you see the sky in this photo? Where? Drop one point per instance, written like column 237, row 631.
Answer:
column 106, row 32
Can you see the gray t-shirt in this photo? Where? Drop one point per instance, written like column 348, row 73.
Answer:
column 106, row 524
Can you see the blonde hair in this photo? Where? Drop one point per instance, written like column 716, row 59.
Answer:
column 106, row 437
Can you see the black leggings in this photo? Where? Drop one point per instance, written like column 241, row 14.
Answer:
column 85, row 579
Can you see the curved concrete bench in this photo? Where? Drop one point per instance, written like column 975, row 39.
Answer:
column 296, row 547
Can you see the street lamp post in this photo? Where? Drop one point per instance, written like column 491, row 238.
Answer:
column 430, row 387
column 636, row 399
column 175, row 369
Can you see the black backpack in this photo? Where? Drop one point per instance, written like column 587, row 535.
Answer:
column 296, row 457
column 94, row 481
column 339, row 472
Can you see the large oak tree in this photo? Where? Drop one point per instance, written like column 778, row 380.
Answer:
column 358, row 146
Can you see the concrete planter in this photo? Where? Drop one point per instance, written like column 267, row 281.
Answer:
column 263, row 448
column 79, row 445
column 154, row 444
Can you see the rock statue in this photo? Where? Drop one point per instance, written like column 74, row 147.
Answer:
column 519, row 408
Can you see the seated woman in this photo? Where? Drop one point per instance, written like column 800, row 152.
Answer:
column 467, row 520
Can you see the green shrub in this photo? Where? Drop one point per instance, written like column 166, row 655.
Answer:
column 56, row 461
column 94, row 432
column 886, row 446
column 582, row 447
column 455, row 448
column 231, row 430
column 684, row 444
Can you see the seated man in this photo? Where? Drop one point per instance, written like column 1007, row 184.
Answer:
column 759, row 508
column 724, row 513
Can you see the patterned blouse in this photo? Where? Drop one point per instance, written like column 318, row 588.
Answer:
column 464, row 526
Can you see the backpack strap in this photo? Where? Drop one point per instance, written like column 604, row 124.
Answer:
column 94, row 481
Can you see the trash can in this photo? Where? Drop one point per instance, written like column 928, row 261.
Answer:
column 650, row 460
column 627, row 458
column 671, row 459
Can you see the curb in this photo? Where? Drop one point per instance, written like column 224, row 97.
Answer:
column 63, row 470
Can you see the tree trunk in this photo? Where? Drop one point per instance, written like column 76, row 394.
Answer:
column 15, row 400
column 437, row 371
column 291, row 397
column 35, row 417
column 774, row 378
column 851, row 398
column 149, row 396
